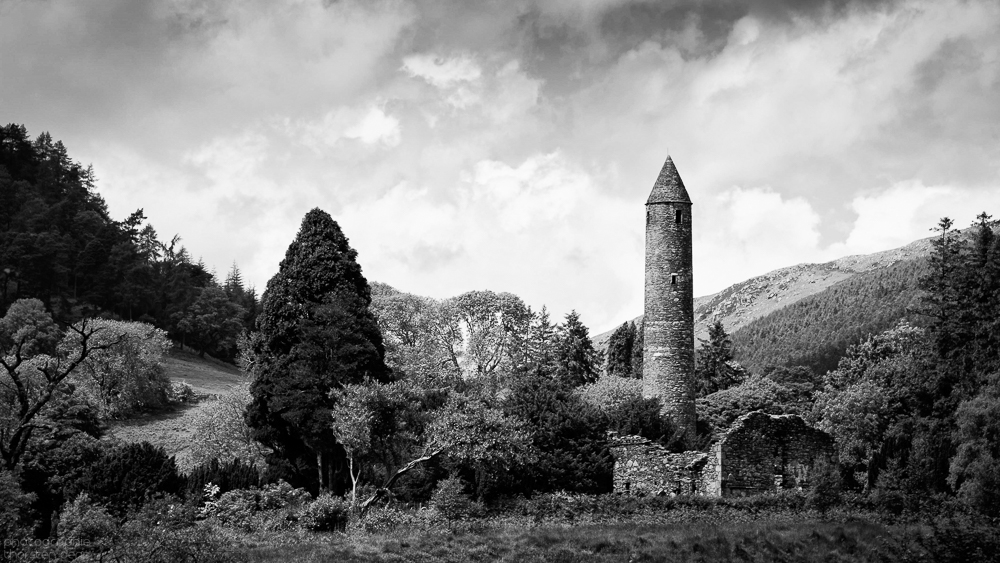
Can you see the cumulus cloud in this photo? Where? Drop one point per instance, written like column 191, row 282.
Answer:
column 512, row 228
column 511, row 145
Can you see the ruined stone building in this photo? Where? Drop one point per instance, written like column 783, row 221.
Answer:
column 760, row 452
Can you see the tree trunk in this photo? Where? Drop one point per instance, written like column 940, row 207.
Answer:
column 319, row 469
column 383, row 491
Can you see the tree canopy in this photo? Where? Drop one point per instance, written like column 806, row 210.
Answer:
column 316, row 334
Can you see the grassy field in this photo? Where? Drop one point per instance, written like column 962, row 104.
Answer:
column 760, row 541
column 172, row 428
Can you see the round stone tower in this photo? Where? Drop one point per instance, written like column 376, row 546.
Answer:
column 668, row 353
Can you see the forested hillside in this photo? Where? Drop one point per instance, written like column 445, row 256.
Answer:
column 817, row 330
column 59, row 244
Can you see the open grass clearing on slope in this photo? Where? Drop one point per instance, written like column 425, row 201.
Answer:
column 207, row 375
column 173, row 428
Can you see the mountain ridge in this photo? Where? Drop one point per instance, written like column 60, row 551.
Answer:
column 742, row 303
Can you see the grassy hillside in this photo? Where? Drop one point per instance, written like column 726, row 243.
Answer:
column 173, row 429
column 207, row 375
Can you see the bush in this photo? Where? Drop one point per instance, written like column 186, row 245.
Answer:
column 165, row 531
column 282, row 495
column 274, row 507
column 384, row 519
column 325, row 514
column 180, row 392
column 85, row 527
column 126, row 475
column 451, row 501
column 823, row 491
column 722, row 408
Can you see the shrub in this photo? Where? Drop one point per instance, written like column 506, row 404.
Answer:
column 722, row 408
column 273, row 507
column 85, row 527
column 165, row 531
column 282, row 495
column 609, row 392
column 234, row 508
column 823, row 491
column 384, row 519
column 180, row 392
column 569, row 437
column 126, row 475
column 325, row 514
column 451, row 501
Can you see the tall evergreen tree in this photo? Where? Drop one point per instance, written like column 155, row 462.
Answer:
column 714, row 371
column 317, row 334
column 620, row 347
column 577, row 362
column 637, row 348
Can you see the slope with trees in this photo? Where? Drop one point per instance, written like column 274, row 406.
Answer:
column 59, row 244
column 817, row 330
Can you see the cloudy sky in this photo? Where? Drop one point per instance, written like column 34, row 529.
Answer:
column 510, row 144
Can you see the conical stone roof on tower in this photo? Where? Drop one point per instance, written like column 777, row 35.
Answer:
column 668, row 353
column 669, row 187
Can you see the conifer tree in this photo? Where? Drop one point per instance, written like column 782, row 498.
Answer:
column 714, row 372
column 577, row 362
column 620, row 347
column 637, row 348
column 316, row 334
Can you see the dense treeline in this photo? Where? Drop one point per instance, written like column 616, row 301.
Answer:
column 914, row 410
column 817, row 330
column 59, row 244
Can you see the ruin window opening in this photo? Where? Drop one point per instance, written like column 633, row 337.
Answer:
column 673, row 279
column 678, row 216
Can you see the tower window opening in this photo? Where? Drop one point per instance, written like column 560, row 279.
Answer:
column 678, row 216
column 673, row 279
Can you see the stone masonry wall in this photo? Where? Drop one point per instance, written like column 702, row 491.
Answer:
column 646, row 468
column 759, row 453
column 763, row 452
column 668, row 356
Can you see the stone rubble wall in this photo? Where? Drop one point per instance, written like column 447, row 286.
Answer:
column 646, row 468
column 763, row 452
column 759, row 453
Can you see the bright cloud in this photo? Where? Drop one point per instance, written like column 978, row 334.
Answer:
column 511, row 145
column 512, row 228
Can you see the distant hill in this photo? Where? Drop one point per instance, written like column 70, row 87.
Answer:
column 809, row 313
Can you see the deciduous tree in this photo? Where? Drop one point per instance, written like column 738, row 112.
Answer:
column 35, row 368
